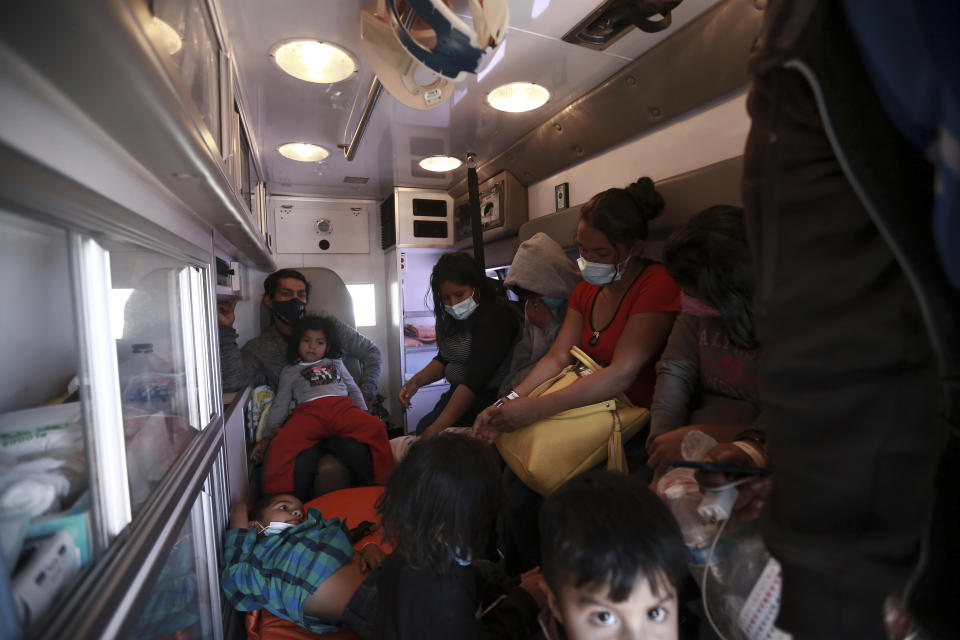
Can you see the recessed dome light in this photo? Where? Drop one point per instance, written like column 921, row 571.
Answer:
column 517, row 97
column 315, row 61
column 303, row 151
column 167, row 36
column 440, row 163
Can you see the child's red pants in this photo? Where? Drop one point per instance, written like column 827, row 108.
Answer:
column 317, row 420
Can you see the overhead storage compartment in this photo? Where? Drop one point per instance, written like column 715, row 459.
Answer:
column 416, row 218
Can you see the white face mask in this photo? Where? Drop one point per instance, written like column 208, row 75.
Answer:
column 273, row 527
column 461, row 558
column 598, row 273
column 463, row 309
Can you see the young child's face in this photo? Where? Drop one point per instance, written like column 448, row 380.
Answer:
column 283, row 508
column 589, row 613
column 313, row 345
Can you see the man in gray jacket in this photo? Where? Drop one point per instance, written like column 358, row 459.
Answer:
column 285, row 293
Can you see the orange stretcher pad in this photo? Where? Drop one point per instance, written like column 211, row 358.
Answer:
column 354, row 505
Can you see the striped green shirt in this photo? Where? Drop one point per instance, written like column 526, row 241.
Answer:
column 279, row 572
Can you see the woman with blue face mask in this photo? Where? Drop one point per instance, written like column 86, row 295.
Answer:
column 476, row 329
column 620, row 316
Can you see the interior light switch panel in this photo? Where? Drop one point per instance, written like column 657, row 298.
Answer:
column 562, row 193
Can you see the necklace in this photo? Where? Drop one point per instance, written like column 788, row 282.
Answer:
column 595, row 338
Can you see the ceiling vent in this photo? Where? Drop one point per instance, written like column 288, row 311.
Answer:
column 612, row 19
column 356, row 180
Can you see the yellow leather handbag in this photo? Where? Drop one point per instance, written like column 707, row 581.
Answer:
column 549, row 452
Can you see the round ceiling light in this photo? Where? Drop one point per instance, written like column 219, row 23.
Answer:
column 303, row 151
column 315, row 61
column 440, row 163
column 168, row 36
column 517, row 97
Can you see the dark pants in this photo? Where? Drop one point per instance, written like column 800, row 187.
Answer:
column 360, row 613
column 847, row 378
column 317, row 421
column 355, row 457
column 481, row 401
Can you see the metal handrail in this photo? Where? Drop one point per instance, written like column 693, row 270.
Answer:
column 373, row 95
column 106, row 602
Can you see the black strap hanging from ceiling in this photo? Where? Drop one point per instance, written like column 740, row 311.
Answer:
column 641, row 13
column 473, row 188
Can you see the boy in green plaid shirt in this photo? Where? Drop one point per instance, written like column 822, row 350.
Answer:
column 299, row 567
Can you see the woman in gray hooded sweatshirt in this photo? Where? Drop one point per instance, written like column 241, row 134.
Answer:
column 543, row 276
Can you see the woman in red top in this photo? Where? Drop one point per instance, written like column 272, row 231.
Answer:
column 620, row 315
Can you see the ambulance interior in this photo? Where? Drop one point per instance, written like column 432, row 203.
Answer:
column 142, row 179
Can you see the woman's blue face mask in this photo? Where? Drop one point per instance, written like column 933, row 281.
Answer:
column 598, row 273
column 463, row 309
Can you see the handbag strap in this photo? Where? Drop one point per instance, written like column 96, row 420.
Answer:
column 616, row 457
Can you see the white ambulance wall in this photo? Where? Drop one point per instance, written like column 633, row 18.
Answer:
column 42, row 124
column 39, row 340
column 247, row 312
column 711, row 134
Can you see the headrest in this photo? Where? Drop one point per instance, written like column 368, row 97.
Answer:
column 328, row 296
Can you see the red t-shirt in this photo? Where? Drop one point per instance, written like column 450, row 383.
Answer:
column 654, row 290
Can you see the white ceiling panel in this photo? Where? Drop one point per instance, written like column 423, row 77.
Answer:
column 283, row 109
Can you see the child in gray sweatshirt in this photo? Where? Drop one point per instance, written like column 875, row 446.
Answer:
column 325, row 402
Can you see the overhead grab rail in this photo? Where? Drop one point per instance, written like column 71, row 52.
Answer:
column 373, row 95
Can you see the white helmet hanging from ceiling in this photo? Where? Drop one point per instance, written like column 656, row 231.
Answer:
column 416, row 59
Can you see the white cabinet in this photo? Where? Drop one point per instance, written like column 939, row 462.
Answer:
column 411, row 334
column 321, row 227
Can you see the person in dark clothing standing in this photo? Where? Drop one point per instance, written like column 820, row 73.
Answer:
column 852, row 312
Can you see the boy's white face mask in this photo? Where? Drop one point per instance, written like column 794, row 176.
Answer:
column 273, row 527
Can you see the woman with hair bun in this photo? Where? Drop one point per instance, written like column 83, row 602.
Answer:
column 620, row 316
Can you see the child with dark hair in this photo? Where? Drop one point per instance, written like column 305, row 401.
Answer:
column 439, row 511
column 298, row 566
column 613, row 560
column 325, row 402
column 707, row 376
